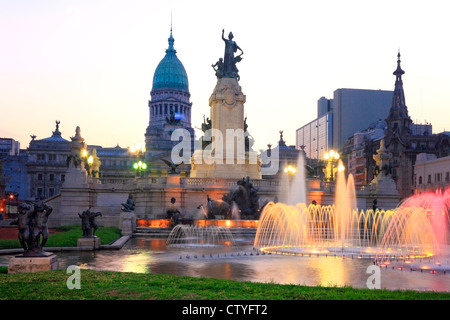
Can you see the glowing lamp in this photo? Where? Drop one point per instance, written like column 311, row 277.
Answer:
column 144, row 166
column 84, row 153
column 138, row 146
column 135, row 165
column 91, row 160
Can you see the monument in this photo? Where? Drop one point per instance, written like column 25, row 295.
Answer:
column 76, row 175
column 89, row 227
column 227, row 155
column 383, row 182
column 33, row 234
column 127, row 222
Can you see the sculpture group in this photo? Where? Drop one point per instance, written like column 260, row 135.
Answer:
column 244, row 197
column 226, row 67
column 88, row 223
column 33, row 231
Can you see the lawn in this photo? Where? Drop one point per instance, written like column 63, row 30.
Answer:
column 102, row 285
column 67, row 237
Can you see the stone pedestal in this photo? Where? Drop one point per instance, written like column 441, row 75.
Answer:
column 383, row 185
column 229, row 159
column 89, row 242
column 76, row 177
column 127, row 223
column 24, row 264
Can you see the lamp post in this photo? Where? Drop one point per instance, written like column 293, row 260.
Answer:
column 90, row 161
column 138, row 149
column 330, row 157
column 290, row 170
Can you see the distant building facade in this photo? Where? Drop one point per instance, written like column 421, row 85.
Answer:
column 13, row 173
column 39, row 171
column 355, row 109
column 431, row 173
column 287, row 156
column 9, row 147
column 315, row 138
column 358, row 152
column 405, row 140
column 350, row 111
column 170, row 109
column 46, row 165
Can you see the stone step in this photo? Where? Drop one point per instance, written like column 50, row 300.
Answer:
column 164, row 232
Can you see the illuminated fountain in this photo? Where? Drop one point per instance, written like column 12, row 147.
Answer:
column 416, row 229
column 199, row 236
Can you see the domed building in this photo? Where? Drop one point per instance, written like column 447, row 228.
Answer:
column 170, row 109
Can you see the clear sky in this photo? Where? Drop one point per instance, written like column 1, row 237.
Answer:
column 91, row 63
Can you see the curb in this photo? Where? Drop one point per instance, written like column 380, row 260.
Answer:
column 116, row 245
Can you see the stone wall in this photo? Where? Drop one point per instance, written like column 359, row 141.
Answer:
column 152, row 197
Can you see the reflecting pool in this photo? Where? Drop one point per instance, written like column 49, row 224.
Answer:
column 241, row 262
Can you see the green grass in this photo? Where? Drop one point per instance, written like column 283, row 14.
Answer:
column 68, row 237
column 102, row 285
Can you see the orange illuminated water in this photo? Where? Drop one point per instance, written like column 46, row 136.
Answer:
column 418, row 228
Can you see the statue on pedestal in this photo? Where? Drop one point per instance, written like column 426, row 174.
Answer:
column 88, row 223
column 383, row 182
column 129, row 205
column 127, row 220
column 226, row 67
column 33, row 230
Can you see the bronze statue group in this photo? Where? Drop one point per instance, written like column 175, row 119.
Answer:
column 32, row 224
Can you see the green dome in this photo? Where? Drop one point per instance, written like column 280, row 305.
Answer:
column 170, row 72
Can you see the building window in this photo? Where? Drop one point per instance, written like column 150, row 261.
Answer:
column 429, row 178
column 51, row 192
column 447, row 177
column 39, row 193
column 52, row 157
column 41, row 157
column 51, row 177
column 40, row 176
column 420, row 179
column 63, row 177
column 438, row 177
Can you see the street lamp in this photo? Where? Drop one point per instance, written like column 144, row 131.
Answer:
column 138, row 149
column 330, row 157
column 290, row 170
column 90, row 161
column 139, row 167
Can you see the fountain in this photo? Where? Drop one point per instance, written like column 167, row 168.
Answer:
column 198, row 236
column 416, row 229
